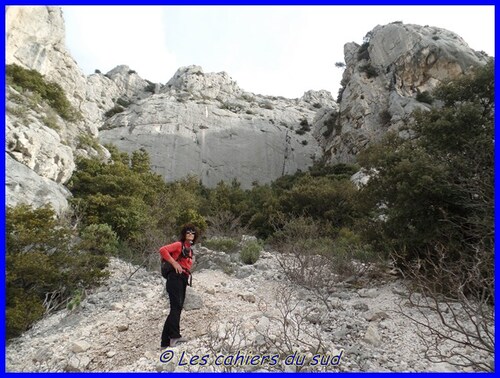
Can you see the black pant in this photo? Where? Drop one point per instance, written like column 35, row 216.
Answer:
column 176, row 289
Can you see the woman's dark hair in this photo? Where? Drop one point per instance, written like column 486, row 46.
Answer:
column 189, row 227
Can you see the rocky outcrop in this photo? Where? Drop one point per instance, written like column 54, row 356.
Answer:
column 386, row 78
column 198, row 123
column 36, row 145
column 36, row 135
column 24, row 186
column 205, row 125
column 36, row 40
column 129, row 83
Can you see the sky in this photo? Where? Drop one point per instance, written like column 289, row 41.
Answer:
column 269, row 50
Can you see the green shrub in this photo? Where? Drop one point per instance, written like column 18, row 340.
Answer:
column 369, row 70
column 331, row 124
column 51, row 92
column 23, row 309
column 363, row 51
column 321, row 198
column 385, row 117
column 123, row 102
column 437, row 188
column 250, row 252
column 114, row 110
column 44, row 268
column 221, row 244
column 50, row 120
column 232, row 107
column 99, row 239
column 75, row 301
column 194, row 217
column 425, row 96
column 150, row 87
column 86, row 140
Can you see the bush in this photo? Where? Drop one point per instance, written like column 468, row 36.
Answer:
column 321, row 198
column 150, row 87
column 123, row 101
column 99, row 239
column 221, row 244
column 194, row 217
column 86, row 140
column 437, row 188
column 385, row 117
column 51, row 92
column 332, row 123
column 250, row 252
column 369, row 70
column 43, row 267
column 114, row 110
column 363, row 51
column 425, row 96
column 22, row 311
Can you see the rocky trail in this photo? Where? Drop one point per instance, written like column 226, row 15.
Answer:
column 250, row 313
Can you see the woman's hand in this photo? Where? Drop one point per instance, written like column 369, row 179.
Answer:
column 178, row 268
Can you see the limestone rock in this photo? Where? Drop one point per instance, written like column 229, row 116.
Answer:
column 128, row 82
column 23, row 185
column 194, row 301
column 383, row 77
column 372, row 336
column 39, row 147
column 204, row 125
column 80, row 346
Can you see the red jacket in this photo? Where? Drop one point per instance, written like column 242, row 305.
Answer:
column 174, row 250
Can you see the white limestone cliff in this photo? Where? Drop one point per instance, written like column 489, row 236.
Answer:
column 202, row 123
column 383, row 77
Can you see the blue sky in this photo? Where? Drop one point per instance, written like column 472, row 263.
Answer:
column 271, row 50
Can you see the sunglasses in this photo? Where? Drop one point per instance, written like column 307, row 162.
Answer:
column 190, row 232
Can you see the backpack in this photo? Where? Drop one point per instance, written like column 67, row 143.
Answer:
column 166, row 267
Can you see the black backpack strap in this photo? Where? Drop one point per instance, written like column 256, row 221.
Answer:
column 190, row 282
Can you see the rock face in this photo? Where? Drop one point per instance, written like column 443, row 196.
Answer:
column 384, row 80
column 36, row 40
column 24, row 186
column 205, row 125
column 35, row 135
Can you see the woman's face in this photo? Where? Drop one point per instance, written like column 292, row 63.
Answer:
column 190, row 235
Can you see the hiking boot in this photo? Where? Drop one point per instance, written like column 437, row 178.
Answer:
column 180, row 340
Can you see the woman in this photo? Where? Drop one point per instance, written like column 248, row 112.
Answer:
column 180, row 256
